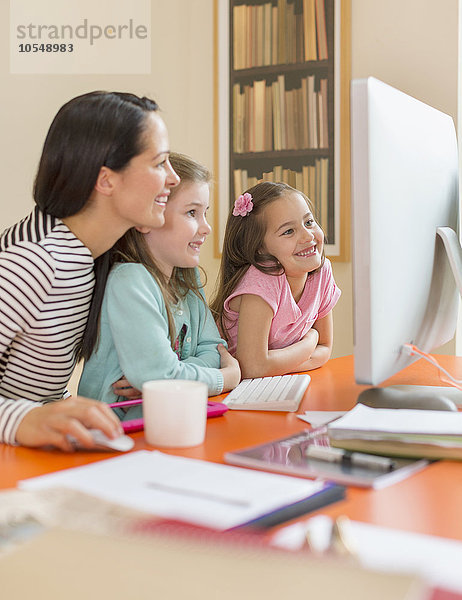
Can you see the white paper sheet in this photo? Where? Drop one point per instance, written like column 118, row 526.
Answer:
column 316, row 418
column 200, row 492
column 432, row 422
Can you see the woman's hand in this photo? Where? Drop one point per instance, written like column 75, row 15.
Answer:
column 50, row 424
column 122, row 387
column 230, row 369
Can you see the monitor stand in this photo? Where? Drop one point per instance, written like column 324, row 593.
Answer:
column 454, row 254
column 451, row 393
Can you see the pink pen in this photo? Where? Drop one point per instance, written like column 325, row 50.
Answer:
column 127, row 403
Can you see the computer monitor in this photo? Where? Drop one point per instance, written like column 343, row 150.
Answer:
column 404, row 187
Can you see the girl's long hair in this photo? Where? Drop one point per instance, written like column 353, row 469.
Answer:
column 133, row 247
column 243, row 246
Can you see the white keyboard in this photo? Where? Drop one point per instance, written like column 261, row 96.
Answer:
column 283, row 393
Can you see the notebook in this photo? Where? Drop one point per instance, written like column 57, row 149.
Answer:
column 287, row 455
column 417, row 433
column 194, row 491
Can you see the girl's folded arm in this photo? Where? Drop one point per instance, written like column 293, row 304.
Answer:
column 255, row 316
column 323, row 349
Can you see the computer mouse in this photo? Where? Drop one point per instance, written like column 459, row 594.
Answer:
column 391, row 398
column 123, row 443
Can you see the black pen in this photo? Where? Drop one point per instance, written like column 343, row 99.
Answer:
column 358, row 459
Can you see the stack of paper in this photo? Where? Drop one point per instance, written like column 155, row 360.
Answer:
column 195, row 491
column 414, row 433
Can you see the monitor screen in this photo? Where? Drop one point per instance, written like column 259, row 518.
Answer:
column 404, row 187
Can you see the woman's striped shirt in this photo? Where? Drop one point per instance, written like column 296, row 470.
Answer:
column 46, row 286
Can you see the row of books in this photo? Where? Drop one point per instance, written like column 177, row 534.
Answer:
column 312, row 180
column 267, row 34
column 268, row 117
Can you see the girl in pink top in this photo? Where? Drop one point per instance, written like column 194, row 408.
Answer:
column 276, row 290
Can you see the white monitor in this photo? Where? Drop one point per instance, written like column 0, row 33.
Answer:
column 404, row 187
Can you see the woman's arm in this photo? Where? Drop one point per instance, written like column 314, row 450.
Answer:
column 26, row 274
column 255, row 317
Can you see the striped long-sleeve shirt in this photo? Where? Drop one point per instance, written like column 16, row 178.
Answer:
column 46, row 285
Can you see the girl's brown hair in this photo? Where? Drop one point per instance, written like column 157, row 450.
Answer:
column 133, row 247
column 243, row 246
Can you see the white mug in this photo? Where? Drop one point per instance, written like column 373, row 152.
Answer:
column 174, row 412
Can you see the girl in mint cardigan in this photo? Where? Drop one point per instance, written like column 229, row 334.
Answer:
column 155, row 323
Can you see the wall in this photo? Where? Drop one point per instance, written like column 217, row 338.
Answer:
column 181, row 82
column 411, row 44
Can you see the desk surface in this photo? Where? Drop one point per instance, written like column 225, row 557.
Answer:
column 428, row 502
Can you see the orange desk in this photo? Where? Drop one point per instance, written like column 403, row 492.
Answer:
column 429, row 502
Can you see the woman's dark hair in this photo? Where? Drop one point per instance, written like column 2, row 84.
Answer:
column 90, row 131
column 243, row 246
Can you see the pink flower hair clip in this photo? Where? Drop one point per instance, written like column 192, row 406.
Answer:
column 243, row 205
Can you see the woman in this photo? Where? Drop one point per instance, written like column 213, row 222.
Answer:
column 104, row 169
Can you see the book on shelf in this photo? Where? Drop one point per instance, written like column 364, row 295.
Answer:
column 275, row 34
column 309, row 21
column 321, row 30
column 290, row 113
column 268, row 119
column 277, row 142
column 304, row 113
column 250, row 118
column 259, row 38
column 299, row 41
column 267, row 33
column 237, row 182
column 323, row 115
column 282, row 108
column 312, row 113
column 404, row 432
column 248, row 37
column 259, row 114
column 281, row 16
column 290, row 33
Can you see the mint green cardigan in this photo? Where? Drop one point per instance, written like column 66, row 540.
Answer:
column 134, row 338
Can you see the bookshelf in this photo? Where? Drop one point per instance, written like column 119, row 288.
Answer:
column 281, row 105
